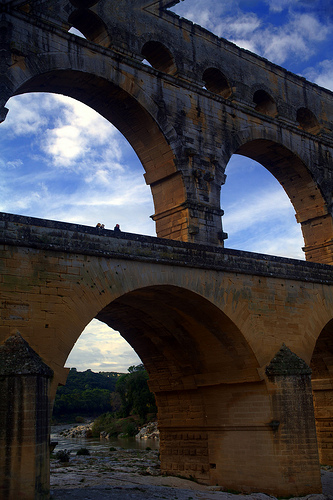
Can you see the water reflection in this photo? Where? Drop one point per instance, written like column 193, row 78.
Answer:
column 98, row 445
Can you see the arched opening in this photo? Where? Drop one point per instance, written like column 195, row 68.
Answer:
column 159, row 57
column 101, row 348
column 117, row 106
column 258, row 215
column 63, row 161
column 265, row 103
column 193, row 352
column 138, row 126
column 195, row 356
column 216, row 82
column 92, row 26
column 180, row 337
column 304, row 193
column 322, row 385
column 307, row 121
column 179, row 334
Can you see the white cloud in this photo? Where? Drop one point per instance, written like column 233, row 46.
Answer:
column 242, row 26
column 127, row 203
column 24, row 117
column 102, row 349
column 285, row 245
column 14, row 164
column 76, row 167
column 253, row 210
column 296, row 38
column 259, row 216
column 322, row 74
column 78, row 134
column 223, row 18
column 280, row 5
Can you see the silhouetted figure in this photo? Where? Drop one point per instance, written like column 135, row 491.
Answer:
column 117, row 228
column 100, row 226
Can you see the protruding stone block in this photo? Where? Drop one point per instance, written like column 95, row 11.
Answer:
column 295, row 440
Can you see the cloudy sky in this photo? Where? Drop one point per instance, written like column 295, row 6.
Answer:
column 60, row 160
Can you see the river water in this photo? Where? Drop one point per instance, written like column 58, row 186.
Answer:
column 95, row 444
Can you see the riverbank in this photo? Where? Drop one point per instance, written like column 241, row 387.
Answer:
column 121, row 474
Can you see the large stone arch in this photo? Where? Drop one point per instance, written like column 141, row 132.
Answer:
column 201, row 368
column 167, row 324
column 288, row 165
column 136, row 116
column 197, row 360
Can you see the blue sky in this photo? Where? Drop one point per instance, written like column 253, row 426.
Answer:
column 60, row 160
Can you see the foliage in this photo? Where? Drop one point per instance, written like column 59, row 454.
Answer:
column 86, row 393
column 89, row 401
column 105, row 423
column 112, row 426
column 89, row 380
column 134, row 393
column 89, row 393
column 129, row 429
column 79, row 420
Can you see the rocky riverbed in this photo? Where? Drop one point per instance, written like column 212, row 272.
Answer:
column 135, row 475
column 126, row 474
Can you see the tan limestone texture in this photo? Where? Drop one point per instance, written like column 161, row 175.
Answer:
column 206, row 323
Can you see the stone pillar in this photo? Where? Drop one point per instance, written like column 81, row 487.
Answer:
column 247, row 437
column 187, row 203
column 323, row 401
column 295, row 441
column 317, row 234
column 183, row 434
column 24, row 422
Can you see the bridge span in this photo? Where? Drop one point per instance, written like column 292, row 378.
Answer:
column 229, row 339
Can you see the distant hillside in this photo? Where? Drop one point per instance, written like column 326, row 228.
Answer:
column 85, row 393
column 117, row 394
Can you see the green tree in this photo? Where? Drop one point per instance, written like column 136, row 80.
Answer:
column 85, row 393
column 136, row 398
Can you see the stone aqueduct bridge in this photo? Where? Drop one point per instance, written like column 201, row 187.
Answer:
column 201, row 100
column 227, row 337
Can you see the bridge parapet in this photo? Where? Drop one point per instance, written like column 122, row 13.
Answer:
column 57, row 236
column 32, row 232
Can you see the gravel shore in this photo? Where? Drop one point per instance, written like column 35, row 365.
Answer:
column 134, row 475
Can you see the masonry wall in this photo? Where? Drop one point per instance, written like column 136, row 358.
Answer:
column 183, row 130
column 323, row 400
column 231, row 311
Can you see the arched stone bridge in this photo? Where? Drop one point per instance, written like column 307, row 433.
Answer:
column 227, row 337
column 201, row 100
